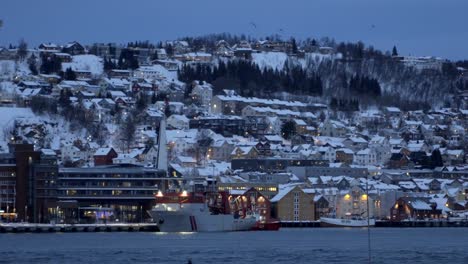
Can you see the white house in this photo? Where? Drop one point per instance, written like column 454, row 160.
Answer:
column 365, row 157
column 72, row 153
column 202, row 94
column 155, row 72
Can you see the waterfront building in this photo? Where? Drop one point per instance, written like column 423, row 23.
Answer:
column 293, row 204
column 108, row 193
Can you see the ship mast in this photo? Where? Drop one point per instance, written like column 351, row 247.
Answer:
column 162, row 146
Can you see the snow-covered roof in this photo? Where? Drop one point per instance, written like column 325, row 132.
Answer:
column 182, row 118
column 237, row 98
column 48, row 152
column 186, row 159
column 366, row 151
column 278, row 112
column 281, row 193
column 393, row 109
column 102, row 151
column 420, row 205
column 346, row 151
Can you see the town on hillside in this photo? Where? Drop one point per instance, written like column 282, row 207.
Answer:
column 95, row 133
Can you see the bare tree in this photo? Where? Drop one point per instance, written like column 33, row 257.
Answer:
column 127, row 132
column 22, row 49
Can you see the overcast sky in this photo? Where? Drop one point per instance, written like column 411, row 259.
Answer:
column 416, row 27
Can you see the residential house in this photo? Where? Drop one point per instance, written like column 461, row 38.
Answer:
column 344, row 155
column 221, row 150
column 414, row 208
column 178, row 122
column 264, row 148
column 365, row 157
column 104, row 156
column 354, row 204
column 223, row 49
column 49, row 48
column 74, row 48
column 202, row 94
column 332, row 128
column 153, row 72
column 244, row 152
column 453, row 157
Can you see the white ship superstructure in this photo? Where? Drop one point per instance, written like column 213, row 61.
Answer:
column 197, row 213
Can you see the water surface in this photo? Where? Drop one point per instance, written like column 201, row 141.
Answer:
column 314, row 245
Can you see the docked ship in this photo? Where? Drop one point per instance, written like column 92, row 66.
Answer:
column 346, row 222
column 263, row 225
column 199, row 212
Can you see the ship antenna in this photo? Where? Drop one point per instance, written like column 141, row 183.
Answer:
column 368, row 221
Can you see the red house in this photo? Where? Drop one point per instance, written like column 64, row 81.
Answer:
column 104, row 156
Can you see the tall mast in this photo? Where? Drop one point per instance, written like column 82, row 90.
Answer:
column 162, row 146
column 368, row 221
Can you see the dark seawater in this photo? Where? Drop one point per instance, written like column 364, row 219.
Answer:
column 318, row 245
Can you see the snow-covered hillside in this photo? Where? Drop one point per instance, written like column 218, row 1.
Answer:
column 7, row 119
column 90, row 63
column 10, row 68
column 273, row 60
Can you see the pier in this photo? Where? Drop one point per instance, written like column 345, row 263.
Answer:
column 382, row 223
column 422, row 223
column 68, row 228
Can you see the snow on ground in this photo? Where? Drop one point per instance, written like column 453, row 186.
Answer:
column 10, row 68
column 7, row 119
column 273, row 60
column 7, row 88
column 90, row 63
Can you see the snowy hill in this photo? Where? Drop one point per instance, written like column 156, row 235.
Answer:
column 90, row 63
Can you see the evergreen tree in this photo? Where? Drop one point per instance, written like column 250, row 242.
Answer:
column 394, row 51
column 141, row 103
column 288, row 129
column 154, row 56
column 436, row 159
column 69, row 74
column 294, row 45
column 32, row 65
column 169, row 50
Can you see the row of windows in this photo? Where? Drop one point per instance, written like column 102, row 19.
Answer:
column 106, row 193
column 7, row 174
column 8, row 183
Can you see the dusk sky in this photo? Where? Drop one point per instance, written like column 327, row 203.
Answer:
column 416, row 27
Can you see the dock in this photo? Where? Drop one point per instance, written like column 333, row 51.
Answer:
column 69, row 228
column 422, row 223
column 383, row 223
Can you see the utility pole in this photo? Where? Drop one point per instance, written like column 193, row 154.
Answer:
column 368, row 220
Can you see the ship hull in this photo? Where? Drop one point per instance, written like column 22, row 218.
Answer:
column 337, row 222
column 194, row 218
column 267, row 226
